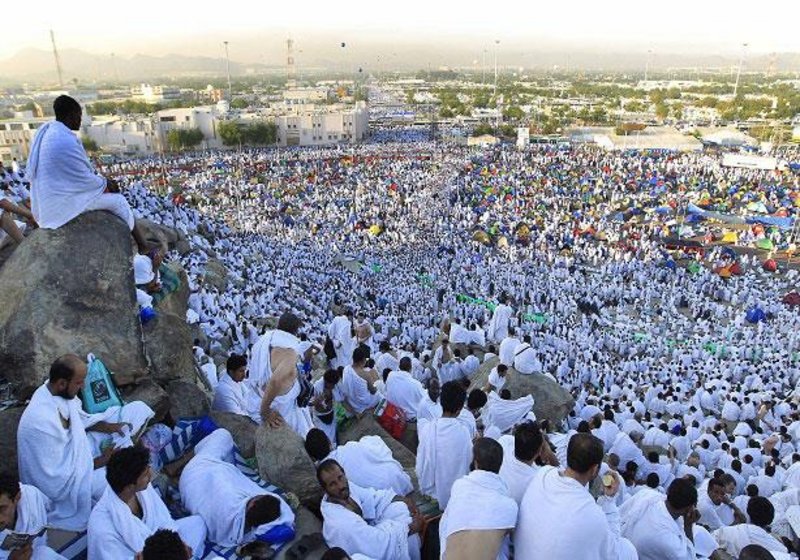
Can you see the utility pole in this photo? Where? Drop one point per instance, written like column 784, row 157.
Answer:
column 647, row 64
column 228, row 68
column 58, row 60
column 496, row 42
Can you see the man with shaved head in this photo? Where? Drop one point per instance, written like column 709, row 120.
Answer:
column 63, row 450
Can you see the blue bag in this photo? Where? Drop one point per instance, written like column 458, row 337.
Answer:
column 99, row 392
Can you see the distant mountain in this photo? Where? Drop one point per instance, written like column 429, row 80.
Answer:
column 380, row 54
column 39, row 66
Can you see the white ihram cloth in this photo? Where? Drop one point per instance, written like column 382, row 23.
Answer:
column 31, row 520
column 368, row 462
column 213, row 488
column 498, row 326
column 230, row 396
column 427, row 410
column 734, row 538
column 382, row 532
column 443, row 456
column 260, row 367
column 514, row 472
column 505, row 414
column 656, row 535
column 405, row 392
column 298, row 419
column 56, row 454
column 497, row 510
column 63, row 183
column 355, row 390
column 526, row 361
column 115, row 533
column 339, row 331
column 559, row 520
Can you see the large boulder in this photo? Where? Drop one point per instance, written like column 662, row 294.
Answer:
column 151, row 394
column 283, row 461
column 216, row 275
column 70, row 290
column 187, row 400
column 367, row 426
column 242, row 428
column 168, row 342
column 9, row 420
column 163, row 237
column 305, row 523
column 551, row 400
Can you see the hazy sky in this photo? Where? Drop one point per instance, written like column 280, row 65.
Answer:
column 168, row 26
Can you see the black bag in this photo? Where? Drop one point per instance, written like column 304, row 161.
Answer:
column 329, row 349
column 306, row 394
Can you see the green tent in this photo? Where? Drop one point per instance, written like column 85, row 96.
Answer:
column 693, row 267
column 765, row 244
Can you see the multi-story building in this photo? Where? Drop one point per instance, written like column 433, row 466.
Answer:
column 322, row 125
column 16, row 136
column 155, row 94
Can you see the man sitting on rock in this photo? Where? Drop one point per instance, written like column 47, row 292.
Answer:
column 8, row 226
column 236, row 509
column 23, row 509
column 369, row 461
column 375, row 523
column 63, row 182
column 131, row 510
column 62, row 450
column 166, row 545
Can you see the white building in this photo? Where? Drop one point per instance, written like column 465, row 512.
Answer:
column 123, row 136
column 305, row 95
column 323, row 125
column 155, row 94
column 16, row 136
column 204, row 118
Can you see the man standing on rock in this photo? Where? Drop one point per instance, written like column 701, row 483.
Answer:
column 63, row 450
column 63, row 182
column 277, row 361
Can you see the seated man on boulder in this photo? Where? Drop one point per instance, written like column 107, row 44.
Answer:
column 63, row 182
column 131, row 510
column 235, row 509
column 63, row 450
column 369, row 461
column 375, row 523
column 23, row 510
column 166, row 545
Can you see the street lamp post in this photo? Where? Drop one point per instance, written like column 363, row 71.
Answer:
column 228, row 70
column 739, row 70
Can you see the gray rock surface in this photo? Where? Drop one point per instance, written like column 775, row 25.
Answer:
column 187, row 400
column 9, row 420
column 283, row 461
column 149, row 392
column 242, row 428
column 70, row 290
column 168, row 341
column 216, row 275
column 551, row 401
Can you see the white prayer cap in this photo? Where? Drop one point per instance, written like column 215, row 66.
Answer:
column 142, row 270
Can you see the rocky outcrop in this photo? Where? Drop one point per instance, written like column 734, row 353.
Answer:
column 283, row 461
column 168, row 341
column 242, row 428
column 216, row 275
column 187, row 400
column 70, row 290
column 551, row 400
column 163, row 237
column 9, row 420
column 150, row 393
